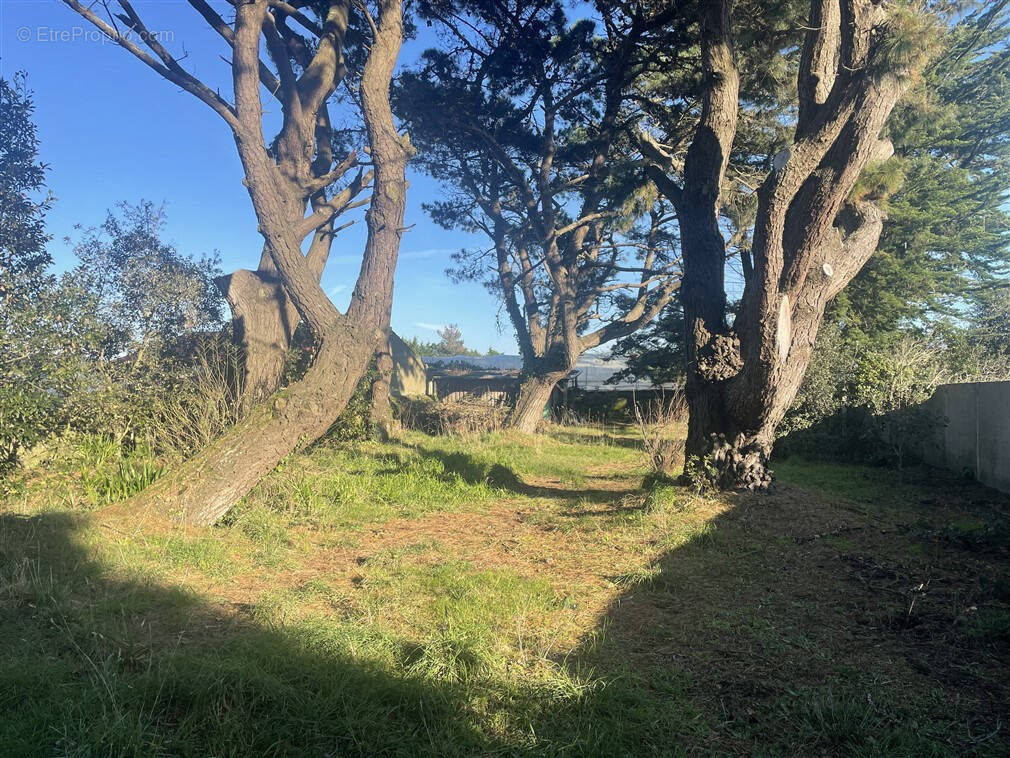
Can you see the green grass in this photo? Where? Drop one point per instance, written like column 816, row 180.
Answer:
column 509, row 596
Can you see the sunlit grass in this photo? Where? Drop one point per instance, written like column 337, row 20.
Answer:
column 498, row 595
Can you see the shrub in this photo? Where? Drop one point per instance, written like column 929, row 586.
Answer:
column 128, row 346
column 355, row 421
column 458, row 417
column 207, row 401
column 865, row 406
column 655, row 422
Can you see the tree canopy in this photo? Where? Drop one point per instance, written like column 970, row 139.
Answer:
column 523, row 115
column 946, row 241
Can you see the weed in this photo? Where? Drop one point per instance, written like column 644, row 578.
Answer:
column 664, row 452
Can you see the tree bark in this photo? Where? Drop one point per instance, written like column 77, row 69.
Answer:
column 534, row 394
column 264, row 322
column 810, row 238
column 265, row 319
column 380, row 410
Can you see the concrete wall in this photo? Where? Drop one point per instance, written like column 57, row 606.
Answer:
column 409, row 375
column 976, row 438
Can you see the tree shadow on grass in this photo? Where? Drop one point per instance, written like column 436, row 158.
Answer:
column 605, row 439
column 800, row 624
column 475, row 471
column 790, row 625
column 95, row 664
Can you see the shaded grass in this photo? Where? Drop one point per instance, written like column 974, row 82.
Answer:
column 510, row 596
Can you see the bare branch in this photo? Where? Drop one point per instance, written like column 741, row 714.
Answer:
column 293, row 13
column 219, row 25
column 327, row 67
column 321, row 182
column 173, row 72
column 336, row 205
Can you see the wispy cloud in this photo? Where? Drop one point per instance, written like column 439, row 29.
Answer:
column 432, row 327
column 431, row 252
column 337, row 290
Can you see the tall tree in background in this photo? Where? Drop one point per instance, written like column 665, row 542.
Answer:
column 292, row 183
column 451, row 340
column 525, row 118
column 946, row 240
column 810, row 234
column 25, row 283
column 654, row 354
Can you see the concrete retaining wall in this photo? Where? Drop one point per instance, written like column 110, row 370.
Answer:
column 409, row 375
column 976, row 438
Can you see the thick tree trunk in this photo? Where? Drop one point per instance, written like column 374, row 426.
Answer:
column 264, row 322
column 810, row 235
column 380, row 411
column 205, row 487
column 534, row 395
column 732, row 422
column 737, row 449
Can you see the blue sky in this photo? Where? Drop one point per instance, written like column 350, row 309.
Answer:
column 112, row 130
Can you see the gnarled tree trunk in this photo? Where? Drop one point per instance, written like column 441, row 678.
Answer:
column 809, row 239
column 295, row 169
column 264, row 322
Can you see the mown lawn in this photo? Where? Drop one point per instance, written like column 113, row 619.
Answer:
column 508, row 596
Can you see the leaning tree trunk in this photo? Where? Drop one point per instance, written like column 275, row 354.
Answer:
column 534, row 395
column 205, row 487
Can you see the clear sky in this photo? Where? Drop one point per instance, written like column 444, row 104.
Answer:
column 112, row 130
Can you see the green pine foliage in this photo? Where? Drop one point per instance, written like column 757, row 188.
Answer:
column 946, row 242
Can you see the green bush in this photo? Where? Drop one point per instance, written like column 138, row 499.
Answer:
column 355, row 422
column 865, row 405
column 128, row 346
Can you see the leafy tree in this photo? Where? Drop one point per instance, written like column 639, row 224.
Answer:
column 944, row 245
column 655, row 353
column 945, row 242
column 451, row 341
column 146, row 312
column 24, row 199
column 146, row 292
column 524, row 118
column 991, row 321
column 28, row 313
column 421, row 347
column 938, row 275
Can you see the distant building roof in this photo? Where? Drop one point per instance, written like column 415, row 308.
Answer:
column 592, row 370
